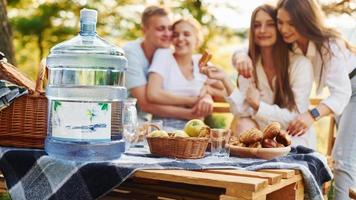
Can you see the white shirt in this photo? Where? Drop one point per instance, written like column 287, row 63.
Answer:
column 300, row 78
column 165, row 64
column 335, row 73
column 137, row 71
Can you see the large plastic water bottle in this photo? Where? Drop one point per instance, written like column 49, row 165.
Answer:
column 86, row 93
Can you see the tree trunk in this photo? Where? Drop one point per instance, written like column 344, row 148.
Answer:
column 40, row 47
column 6, row 45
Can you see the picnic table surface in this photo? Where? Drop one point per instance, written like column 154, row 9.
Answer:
column 236, row 184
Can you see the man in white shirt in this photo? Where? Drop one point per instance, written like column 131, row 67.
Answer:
column 156, row 27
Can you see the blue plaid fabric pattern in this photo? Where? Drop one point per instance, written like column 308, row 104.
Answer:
column 32, row 174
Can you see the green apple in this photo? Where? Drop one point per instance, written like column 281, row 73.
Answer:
column 193, row 127
column 158, row 133
column 179, row 133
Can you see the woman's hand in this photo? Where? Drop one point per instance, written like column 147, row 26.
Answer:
column 243, row 64
column 218, row 74
column 204, row 106
column 253, row 97
column 213, row 72
column 300, row 124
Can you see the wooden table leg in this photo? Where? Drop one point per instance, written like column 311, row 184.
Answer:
column 226, row 197
column 293, row 191
column 239, row 194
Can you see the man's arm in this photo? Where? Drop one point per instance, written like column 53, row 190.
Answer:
column 160, row 110
column 156, row 94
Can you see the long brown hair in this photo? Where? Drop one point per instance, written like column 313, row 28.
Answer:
column 284, row 96
column 308, row 20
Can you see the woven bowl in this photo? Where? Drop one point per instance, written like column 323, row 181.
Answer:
column 264, row 153
column 178, row 147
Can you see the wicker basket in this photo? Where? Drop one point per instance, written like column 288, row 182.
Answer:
column 24, row 122
column 178, row 147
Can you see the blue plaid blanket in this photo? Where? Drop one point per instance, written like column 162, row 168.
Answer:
column 9, row 92
column 32, row 174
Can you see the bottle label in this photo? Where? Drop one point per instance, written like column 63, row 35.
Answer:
column 81, row 120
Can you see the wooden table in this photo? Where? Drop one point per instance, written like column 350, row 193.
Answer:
column 213, row 184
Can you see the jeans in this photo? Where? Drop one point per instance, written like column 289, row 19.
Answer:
column 345, row 149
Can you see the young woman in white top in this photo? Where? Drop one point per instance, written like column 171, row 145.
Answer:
column 174, row 77
column 283, row 80
column 334, row 62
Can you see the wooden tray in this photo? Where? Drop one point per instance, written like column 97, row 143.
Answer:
column 264, row 153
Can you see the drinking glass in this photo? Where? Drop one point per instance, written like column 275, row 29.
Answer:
column 130, row 123
column 220, row 142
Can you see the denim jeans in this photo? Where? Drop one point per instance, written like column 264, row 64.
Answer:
column 344, row 152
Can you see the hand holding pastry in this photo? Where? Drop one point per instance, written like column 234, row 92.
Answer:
column 204, row 61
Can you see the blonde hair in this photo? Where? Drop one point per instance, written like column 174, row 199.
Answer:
column 196, row 26
column 151, row 11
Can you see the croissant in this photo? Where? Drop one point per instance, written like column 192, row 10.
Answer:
column 251, row 136
column 204, row 60
column 271, row 130
column 269, row 143
column 284, row 138
column 255, row 145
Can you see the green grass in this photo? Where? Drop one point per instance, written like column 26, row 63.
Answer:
column 4, row 196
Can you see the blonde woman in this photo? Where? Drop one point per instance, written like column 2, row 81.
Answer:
column 174, row 77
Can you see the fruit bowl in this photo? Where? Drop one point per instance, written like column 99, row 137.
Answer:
column 264, row 153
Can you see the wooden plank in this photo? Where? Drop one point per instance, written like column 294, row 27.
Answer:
column 3, row 187
column 286, row 173
column 352, row 193
column 315, row 101
column 205, row 179
column 243, row 194
column 226, row 197
column 221, row 109
column 171, row 190
column 283, row 183
column 272, row 178
column 294, row 191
